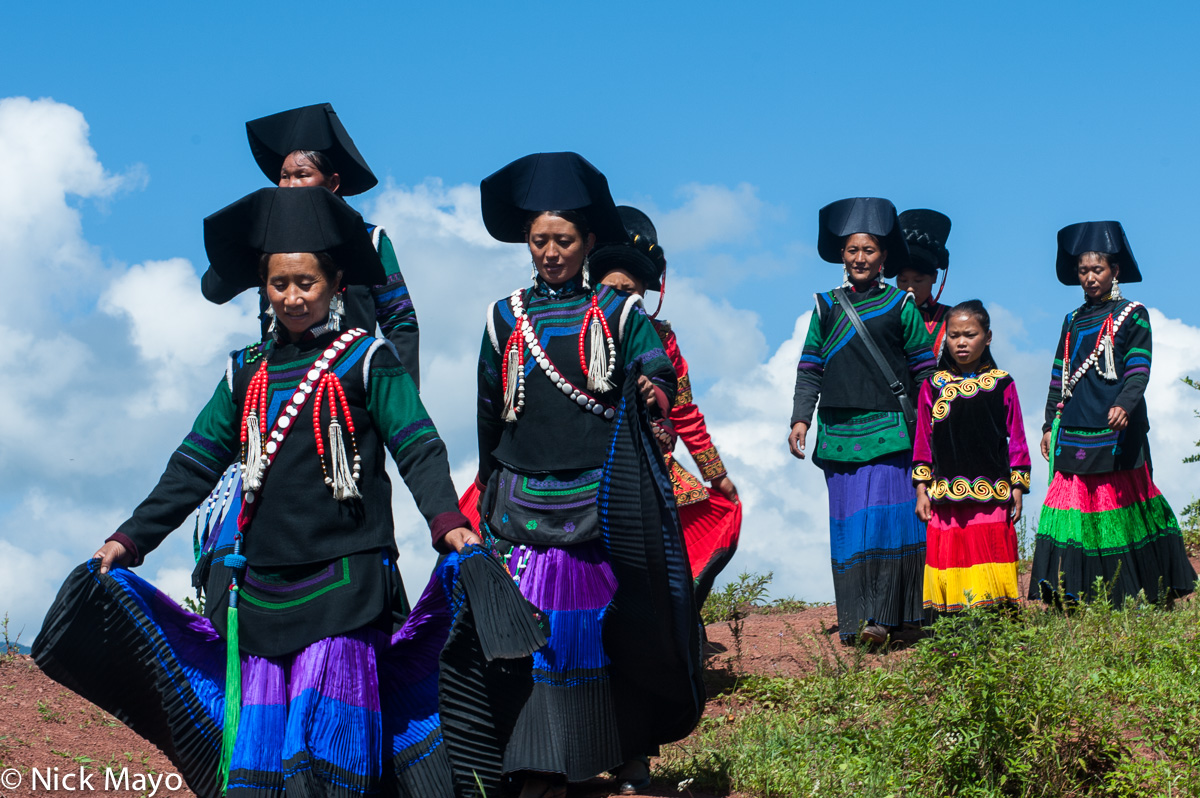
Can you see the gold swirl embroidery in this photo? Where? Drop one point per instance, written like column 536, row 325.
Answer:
column 710, row 463
column 683, row 396
column 922, row 473
column 962, row 489
column 950, row 387
column 1020, row 479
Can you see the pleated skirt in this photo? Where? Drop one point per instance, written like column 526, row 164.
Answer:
column 568, row 723
column 970, row 557
column 711, row 529
column 1117, row 527
column 877, row 544
column 349, row 715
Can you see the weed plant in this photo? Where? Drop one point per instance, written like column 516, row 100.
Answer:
column 1099, row 702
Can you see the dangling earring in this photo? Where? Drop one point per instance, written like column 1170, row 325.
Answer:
column 587, row 274
column 273, row 326
column 337, row 309
column 1116, row 290
column 845, row 277
column 533, row 270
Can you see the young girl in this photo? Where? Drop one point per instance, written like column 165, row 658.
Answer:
column 971, row 467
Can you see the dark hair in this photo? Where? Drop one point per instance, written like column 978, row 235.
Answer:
column 324, row 261
column 1109, row 259
column 574, row 217
column 878, row 241
column 974, row 308
column 317, row 159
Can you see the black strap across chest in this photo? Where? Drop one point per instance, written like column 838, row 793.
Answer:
column 885, row 370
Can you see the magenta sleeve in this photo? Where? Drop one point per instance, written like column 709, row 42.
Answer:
column 923, row 445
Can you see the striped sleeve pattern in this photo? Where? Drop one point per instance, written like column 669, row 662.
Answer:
column 490, row 406
column 1054, row 396
column 409, row 434
column 917, row 352
column 395, row 313
column 191, row 473
column 1135, row 350
column 809, row 372
column 641, row 344
column 212, row 443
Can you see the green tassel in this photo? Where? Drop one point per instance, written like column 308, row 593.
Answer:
column 1053, row 444
column 196, row 545
column 233, row 689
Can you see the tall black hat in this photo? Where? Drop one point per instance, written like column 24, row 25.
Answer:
column 548, row 181
column 926, row 232
column 641, row 256
column 313, row 127
column 1106, row 237
column 309, row 219
column 863, row 215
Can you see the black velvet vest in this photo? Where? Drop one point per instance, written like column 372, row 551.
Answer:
column 298, row 521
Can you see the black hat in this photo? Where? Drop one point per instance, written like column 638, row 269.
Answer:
column 313, row 127
column 642, row 256
column 1106, row 237
column 548, row 181
column 926, row 232
column 308, row 219
column 870, row 215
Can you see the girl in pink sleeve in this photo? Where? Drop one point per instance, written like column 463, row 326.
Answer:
column 971, row 469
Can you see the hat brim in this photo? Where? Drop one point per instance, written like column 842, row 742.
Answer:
column 871, row 215
column 278, row 220
column 1107, row 237
column 313, row 127
column 554, row 181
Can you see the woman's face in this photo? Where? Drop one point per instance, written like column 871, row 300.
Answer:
column 1096, row 276
column 919, row 284
column 966, row 340
column 862, row 258
column 624, row 281
column 557, row 248
column 299, row 171
column 298, row 290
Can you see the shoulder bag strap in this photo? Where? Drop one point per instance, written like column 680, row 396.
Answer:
column 889, row 376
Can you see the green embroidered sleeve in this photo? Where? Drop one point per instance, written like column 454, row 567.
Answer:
column 409, row 434
column 189, row 477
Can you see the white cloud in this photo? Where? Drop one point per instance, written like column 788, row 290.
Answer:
column 710, row 215
column 92, row 403
column 99, row 389
column 175, row 329
column 47, row 160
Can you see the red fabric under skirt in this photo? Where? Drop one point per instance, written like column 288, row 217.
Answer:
column 970, row 557
column 711, row 530
column 468, row 505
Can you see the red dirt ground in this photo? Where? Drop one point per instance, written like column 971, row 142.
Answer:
column 45, row 726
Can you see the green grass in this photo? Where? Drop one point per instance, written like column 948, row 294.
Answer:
column 1103, row 702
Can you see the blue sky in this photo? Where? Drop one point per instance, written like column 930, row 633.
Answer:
column 1014, row 119
column 731, row 125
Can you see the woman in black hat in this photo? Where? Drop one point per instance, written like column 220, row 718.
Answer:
column 309, row 146
column 1103, row 515
column 295, row 680
column 864, row 439
column 926, row 233
column 576, row 502
column 711, row 517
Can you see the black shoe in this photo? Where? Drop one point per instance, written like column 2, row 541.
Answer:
column 633, row 776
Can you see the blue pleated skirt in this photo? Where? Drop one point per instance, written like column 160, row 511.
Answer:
column 877, row 543
column 350, row 715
